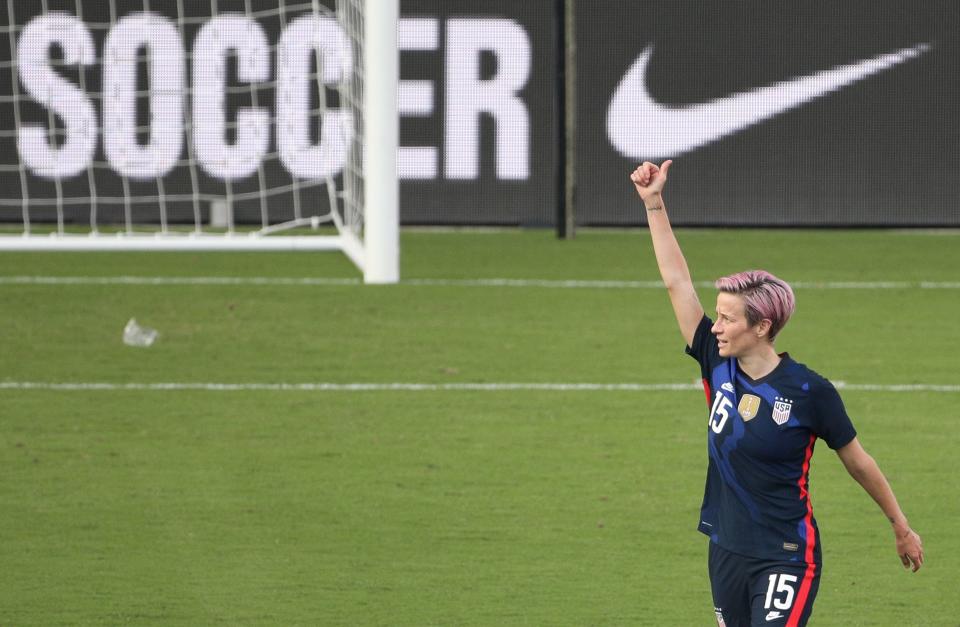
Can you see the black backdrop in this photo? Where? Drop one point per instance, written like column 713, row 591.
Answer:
column 880, row 150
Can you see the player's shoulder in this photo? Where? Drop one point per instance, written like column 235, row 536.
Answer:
column 809, row 380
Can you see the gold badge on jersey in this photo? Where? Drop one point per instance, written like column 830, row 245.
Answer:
column 749, row 406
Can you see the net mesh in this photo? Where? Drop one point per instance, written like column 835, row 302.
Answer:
column 350, row 13
column 158, row 116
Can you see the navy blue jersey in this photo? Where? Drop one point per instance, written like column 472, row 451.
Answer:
column 760, row 438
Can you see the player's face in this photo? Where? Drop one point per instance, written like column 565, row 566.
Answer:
column 735, row 336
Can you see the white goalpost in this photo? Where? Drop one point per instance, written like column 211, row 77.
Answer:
column 208, row 127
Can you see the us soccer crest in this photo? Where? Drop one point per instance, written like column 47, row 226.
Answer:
column 781, row 410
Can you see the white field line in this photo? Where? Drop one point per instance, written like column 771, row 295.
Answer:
column 169, row 280
column 425, row 387
column 492, row 282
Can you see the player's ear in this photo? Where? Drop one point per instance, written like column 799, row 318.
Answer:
column 763, row 328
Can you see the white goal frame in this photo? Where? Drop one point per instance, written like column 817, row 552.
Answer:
column 375, row 252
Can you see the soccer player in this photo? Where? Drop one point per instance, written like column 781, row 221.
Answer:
column 766, row 413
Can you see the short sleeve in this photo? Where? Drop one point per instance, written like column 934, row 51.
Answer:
column 704, row 348
column 832, row 424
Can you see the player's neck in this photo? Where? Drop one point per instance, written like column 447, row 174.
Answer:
column 759, row 362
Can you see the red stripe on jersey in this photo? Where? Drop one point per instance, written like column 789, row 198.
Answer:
column 803, row 482
column 706, row 390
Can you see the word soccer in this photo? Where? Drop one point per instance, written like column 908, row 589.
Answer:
column 468, row 96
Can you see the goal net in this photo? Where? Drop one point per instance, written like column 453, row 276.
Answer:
column 201, row 125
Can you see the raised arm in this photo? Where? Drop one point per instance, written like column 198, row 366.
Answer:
column 649, row 181
column 864, row 469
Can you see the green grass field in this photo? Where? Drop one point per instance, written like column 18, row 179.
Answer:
column 447, row 506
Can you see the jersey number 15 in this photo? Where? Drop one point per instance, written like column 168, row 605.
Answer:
column 719, row 413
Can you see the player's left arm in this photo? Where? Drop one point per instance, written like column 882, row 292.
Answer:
column 864, row 469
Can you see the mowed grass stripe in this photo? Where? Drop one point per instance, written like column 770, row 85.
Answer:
column 382, row 509
column 491, row 282
column 101, row 386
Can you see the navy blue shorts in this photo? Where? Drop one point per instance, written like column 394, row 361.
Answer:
column 750, row 592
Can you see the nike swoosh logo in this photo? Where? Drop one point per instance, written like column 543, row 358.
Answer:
column 641, row 128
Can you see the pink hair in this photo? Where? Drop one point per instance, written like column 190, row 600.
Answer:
column 764, row 297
